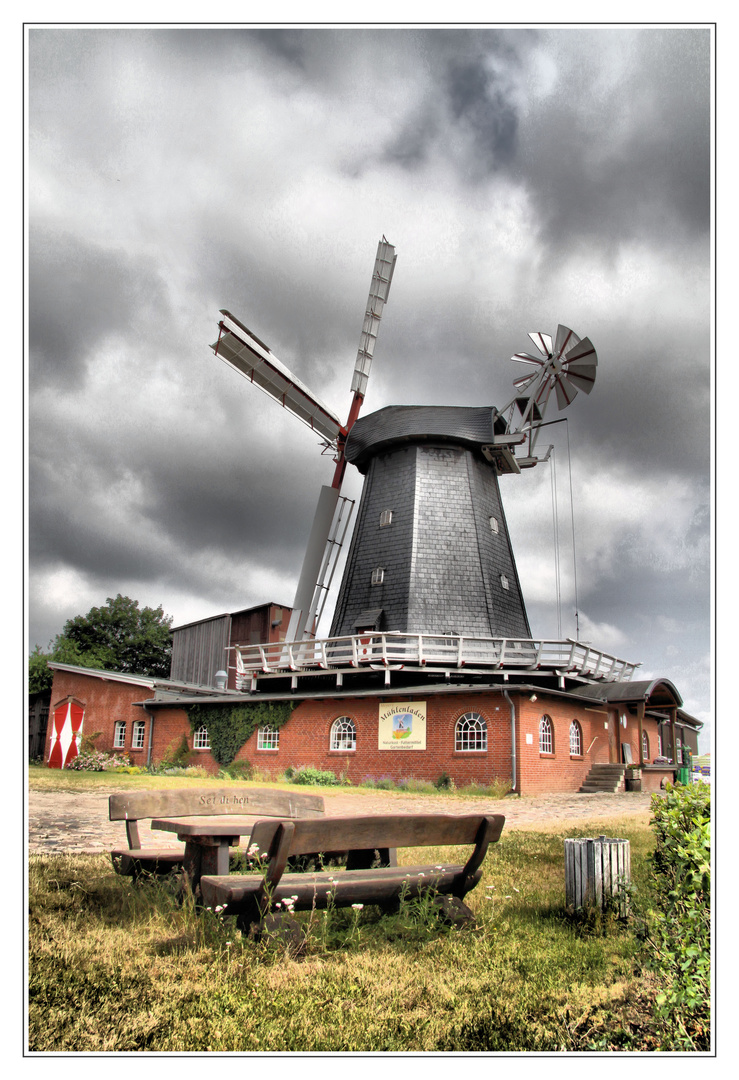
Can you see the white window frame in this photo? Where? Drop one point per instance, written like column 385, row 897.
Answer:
column 119, row 735
column 268, row 738
column 546, row 735
column 471, row 733
column 343, row 734
column 504, row 581
column 493, row 524
column 386, row 518
column 138, row 735
column 201, row 738
column 644, row 746
column 378, row 575
column 575, row 739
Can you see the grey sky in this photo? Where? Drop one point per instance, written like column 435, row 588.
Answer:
column 526, row 177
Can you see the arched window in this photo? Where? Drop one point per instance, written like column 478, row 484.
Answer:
column 201, row 739
column 575, row 739
column 343, row 734
column 546, row 735
column 644, row 746
column 268, row 738
column 471, row 732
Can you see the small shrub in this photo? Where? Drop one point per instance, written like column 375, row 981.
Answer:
column 239, row 770
column 315, row 777
column 87, row 745
column 445, row 783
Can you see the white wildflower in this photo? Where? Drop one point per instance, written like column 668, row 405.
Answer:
column 357, row 907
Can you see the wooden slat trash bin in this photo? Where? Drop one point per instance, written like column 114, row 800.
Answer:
column 596, row 871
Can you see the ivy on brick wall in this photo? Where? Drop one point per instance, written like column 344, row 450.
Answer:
column 229, row 726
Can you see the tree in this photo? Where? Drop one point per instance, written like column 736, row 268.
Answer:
column 118, row 637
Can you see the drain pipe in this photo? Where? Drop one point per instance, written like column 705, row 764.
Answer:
column 150, row 714
column 514, row 780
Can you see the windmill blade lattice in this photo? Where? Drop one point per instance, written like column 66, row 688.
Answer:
column 566, row 366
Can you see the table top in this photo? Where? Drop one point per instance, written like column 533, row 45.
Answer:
column 217, row 825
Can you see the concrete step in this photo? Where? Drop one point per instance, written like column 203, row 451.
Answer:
column 604, row 776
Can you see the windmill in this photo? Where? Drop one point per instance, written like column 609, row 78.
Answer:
column 431, row 552
column 240, row 348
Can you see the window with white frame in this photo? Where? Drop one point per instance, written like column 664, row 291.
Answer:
column 644, row 746
column 268, row 738
column 343, row 734
column 493, row 524
column 201, row 738
column 386, row 518
column 504, row 581
column 471, row 732
column 378, row 576
column 137, row 740
column 546, row 735
column 575, row 739
column 119, row 735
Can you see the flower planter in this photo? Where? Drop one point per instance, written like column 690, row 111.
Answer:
column 633, row 780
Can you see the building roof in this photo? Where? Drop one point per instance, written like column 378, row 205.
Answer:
column 150, row 682
column 230, row 614
column 468, row 426
column 655, row 691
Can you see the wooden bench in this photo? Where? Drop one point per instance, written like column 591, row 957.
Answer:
column 251, row 897
column 253, row 803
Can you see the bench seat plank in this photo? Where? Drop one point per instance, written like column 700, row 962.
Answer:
column 382, row 885
column 252, row 896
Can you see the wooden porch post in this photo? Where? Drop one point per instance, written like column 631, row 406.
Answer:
column 640, row 719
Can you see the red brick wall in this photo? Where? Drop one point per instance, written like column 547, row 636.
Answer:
column 104, row 703
column 305, row 738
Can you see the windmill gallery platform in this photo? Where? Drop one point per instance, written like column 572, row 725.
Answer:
column 430, row 668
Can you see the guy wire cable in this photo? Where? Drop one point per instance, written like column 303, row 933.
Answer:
column 572, row 516
column 555, row 526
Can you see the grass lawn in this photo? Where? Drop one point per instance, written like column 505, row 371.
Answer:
column 115, row 967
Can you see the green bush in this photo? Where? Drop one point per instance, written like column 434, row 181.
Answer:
column 239, row 770
column 308, row 775
column 679, row 932
column 445, row 783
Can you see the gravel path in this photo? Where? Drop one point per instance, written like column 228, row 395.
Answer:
column 67, row 822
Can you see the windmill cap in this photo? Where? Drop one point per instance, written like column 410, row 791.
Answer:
column 397, row 424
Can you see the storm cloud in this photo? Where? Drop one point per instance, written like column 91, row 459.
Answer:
column 527, row 177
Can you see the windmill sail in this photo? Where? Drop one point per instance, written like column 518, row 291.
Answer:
column 382, row 277
column 238, row 347
column 242, row 350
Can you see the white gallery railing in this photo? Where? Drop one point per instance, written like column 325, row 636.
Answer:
column 395, row 650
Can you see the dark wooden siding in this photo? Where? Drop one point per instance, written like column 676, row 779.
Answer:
column 200, row 650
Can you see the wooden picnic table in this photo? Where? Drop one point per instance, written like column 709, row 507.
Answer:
column 207, row 841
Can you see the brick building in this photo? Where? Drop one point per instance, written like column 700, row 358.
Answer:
column 537, row 732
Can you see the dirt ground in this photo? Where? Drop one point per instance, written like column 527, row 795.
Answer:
column 66, row 822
